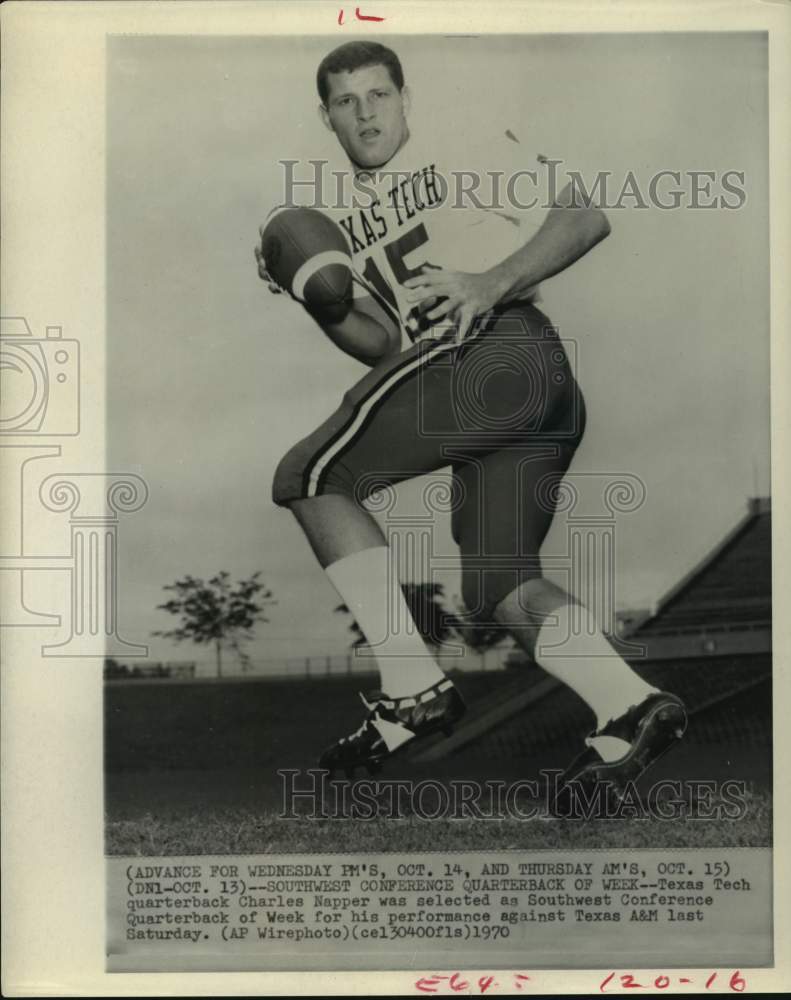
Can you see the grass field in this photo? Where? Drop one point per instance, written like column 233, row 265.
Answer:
column 245, row 831
column 193, row 769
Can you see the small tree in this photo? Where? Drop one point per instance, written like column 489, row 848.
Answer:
column 217, row 612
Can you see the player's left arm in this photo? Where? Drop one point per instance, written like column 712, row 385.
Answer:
column 568, row 232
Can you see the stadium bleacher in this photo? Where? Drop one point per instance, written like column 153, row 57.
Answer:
column 732, row 587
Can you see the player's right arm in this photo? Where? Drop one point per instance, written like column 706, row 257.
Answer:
column 365, row 331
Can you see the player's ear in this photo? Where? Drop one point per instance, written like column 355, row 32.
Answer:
column 406, row 99
column 325, row 117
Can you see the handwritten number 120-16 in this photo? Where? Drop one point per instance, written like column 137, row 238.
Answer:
column 628, row 982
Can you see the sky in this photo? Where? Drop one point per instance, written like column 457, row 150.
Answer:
column 211, row 379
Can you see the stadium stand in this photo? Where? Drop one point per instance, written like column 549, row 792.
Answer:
column 729, row 591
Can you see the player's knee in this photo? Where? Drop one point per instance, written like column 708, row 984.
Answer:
column 483, row 589
column 289, row 481
column 299, row 475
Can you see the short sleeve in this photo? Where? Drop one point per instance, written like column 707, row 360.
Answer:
column 513, row 169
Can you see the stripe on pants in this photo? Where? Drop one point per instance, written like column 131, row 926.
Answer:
column 363, row 409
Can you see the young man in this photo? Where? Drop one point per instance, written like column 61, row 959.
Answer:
column 466, row 372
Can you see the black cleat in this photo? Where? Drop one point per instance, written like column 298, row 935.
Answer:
column 393, row 724
column 651, row 729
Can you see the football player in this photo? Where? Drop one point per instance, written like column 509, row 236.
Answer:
column 467, row 372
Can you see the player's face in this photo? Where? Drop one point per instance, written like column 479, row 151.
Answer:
column 367, row 112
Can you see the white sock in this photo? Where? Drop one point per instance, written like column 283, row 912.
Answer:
column 368, row 583
column 576, row 652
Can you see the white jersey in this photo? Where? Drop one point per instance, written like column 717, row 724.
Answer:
column 441, row 203
column 458, row 210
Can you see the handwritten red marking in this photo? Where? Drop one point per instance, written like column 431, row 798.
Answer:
column 628, row 982
column 429, row 984
column 364, row 17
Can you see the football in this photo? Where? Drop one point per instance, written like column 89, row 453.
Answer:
column 307, row 255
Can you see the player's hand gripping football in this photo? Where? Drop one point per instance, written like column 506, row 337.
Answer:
column 263, row 274
column 462, row 296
